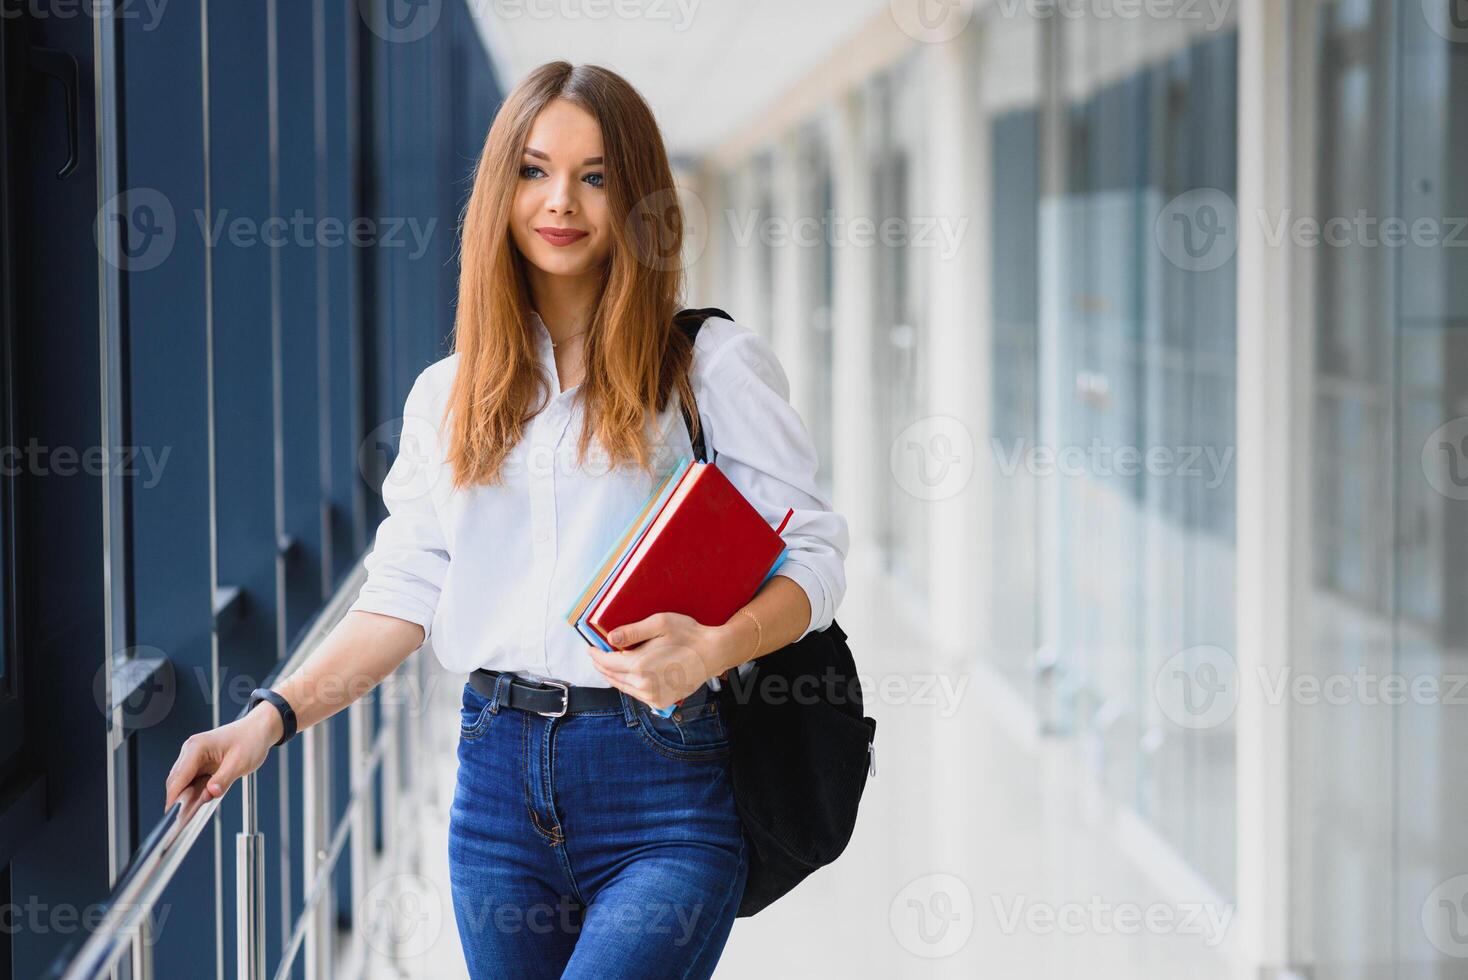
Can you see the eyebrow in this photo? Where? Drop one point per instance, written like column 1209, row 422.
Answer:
column 532, row 152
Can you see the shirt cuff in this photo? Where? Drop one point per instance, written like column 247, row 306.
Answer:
column 395, row 607
column 815, row 591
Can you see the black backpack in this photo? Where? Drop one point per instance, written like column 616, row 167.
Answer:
column 800, row 745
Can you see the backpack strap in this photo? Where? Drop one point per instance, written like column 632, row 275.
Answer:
column 689, row 321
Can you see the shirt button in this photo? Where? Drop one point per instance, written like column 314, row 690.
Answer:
column 543, row 534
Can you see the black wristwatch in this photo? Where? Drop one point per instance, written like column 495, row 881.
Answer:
column 287, row 713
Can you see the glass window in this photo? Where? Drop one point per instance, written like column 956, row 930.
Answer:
column 1379, row 849
column 898, row 334
column 1131, row 354
column 816, row 266
column 1011, row 103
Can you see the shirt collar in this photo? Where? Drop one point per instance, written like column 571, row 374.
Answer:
column 543, row 346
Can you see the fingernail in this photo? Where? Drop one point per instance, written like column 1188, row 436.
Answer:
column 214, row 788
column 617, row 636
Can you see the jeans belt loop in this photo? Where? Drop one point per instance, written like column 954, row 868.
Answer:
column 501, row 692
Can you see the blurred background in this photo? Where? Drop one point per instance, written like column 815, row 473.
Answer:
column 1132, row 337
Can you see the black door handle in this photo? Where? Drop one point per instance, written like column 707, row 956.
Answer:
column 61, row 65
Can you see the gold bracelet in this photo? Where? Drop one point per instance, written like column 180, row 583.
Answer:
column 759, row 634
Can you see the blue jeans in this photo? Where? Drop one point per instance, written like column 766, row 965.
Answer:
column 601, row 844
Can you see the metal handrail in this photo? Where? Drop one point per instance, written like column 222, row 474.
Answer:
column 138, row 888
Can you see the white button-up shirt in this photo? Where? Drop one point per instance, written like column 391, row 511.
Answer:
column 490, row 572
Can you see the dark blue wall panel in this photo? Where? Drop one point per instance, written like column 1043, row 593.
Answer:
column 260, row 349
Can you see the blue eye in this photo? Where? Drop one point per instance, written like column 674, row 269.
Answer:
column 596, row 180
column 525, row 171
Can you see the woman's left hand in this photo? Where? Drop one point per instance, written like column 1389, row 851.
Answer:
column 664, row 658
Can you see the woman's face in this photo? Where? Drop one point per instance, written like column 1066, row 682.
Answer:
column 559, row 220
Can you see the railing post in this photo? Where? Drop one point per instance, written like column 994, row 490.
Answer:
column 360, row 837
column 142, row 951
column 250, row 888
column 315, row 807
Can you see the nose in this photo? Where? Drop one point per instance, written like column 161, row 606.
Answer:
column 562, row 198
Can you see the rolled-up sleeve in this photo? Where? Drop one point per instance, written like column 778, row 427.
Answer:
column 760, row 443
column 410, row 556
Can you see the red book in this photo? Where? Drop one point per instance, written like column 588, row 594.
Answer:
column 706, row 554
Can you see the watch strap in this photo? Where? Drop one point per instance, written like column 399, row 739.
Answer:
column 287, row 713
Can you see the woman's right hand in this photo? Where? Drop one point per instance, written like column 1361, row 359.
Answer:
column 224, row 754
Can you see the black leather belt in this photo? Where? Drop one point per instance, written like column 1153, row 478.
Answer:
column 549, row 698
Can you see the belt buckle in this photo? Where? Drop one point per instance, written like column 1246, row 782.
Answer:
column 565, row 698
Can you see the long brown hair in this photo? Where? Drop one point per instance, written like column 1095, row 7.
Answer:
column 635, row 357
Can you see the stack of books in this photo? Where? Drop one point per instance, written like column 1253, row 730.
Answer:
column 696, row 547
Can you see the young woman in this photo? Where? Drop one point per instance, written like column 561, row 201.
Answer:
column 589, row 836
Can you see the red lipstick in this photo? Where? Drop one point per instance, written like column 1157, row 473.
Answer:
column 560, row 237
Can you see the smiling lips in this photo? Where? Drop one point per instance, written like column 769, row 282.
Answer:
column 560, row 237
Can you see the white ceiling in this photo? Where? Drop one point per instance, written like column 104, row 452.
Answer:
column 707, row 67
